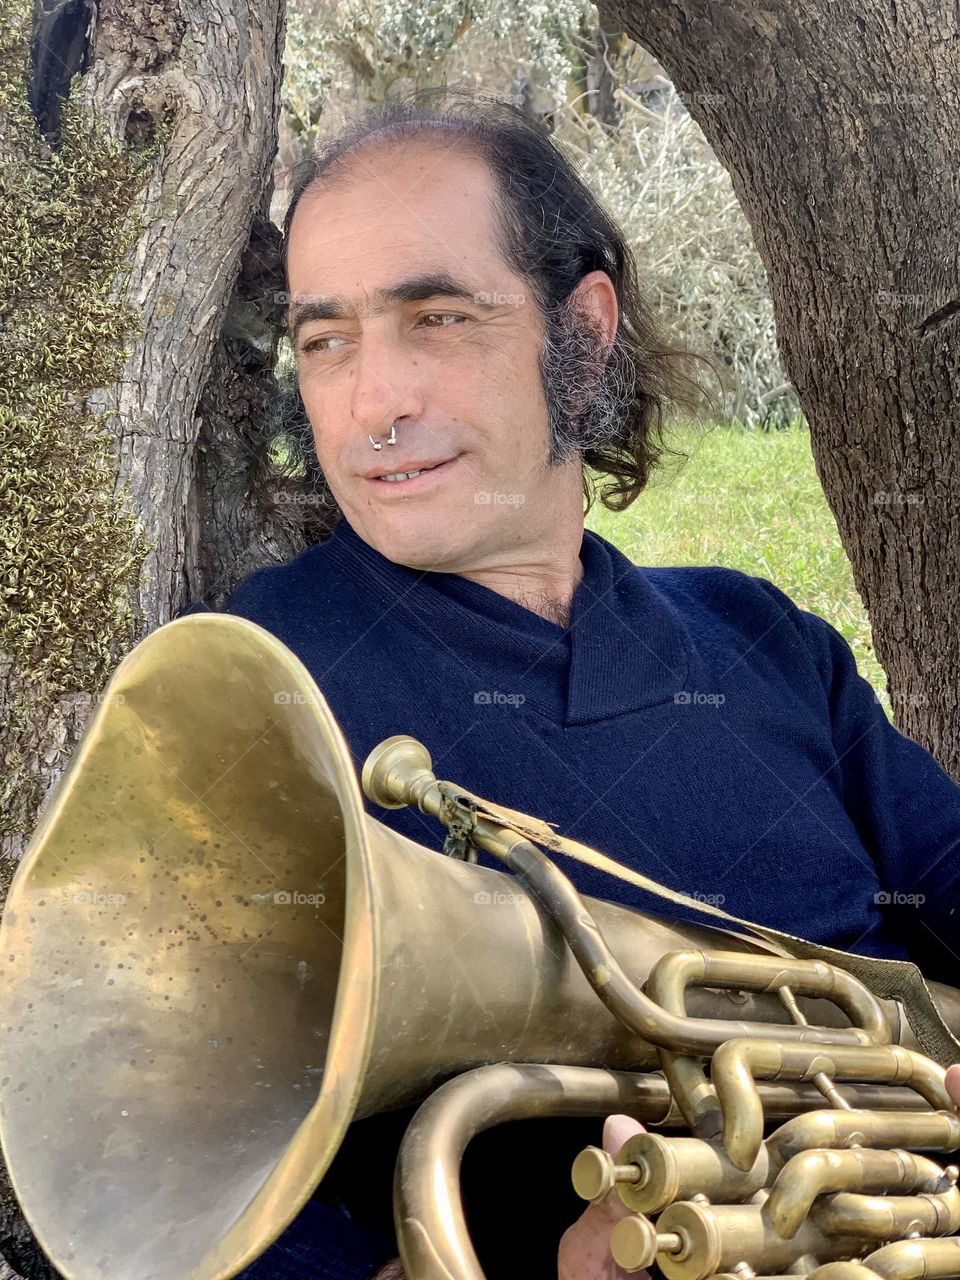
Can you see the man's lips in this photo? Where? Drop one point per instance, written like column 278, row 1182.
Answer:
column 431, row 473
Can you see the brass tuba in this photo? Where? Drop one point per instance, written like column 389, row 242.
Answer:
column 214, row 961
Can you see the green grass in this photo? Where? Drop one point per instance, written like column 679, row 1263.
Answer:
column 749, row 500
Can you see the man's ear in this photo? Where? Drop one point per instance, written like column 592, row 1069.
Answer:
column 596, row 299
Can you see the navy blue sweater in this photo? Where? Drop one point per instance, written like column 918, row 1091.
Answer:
column 691, row 722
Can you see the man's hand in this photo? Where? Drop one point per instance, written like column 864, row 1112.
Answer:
column 584, row 1248
column 952, row 1081
column 584, row 1252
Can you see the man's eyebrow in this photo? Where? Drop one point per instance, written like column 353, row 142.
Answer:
column 438, row 284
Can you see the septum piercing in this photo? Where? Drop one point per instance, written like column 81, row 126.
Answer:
column 391, row 438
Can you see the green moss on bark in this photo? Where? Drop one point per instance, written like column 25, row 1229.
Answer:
column 71, row 550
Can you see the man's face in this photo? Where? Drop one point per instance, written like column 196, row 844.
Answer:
column 458, row 375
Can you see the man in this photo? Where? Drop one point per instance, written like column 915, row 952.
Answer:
column 469, row 336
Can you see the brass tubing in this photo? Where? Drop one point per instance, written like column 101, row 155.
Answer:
column 913, row 1259
column 399, row 772
column 794, row 1099
column 815, row 1173
column 716, row 1237
column 624, row 999
column 927, row 1131
column 738, row 1064
column 674, row 973
column 887, row 1217
column 428, row 1214
column 836, row 1271
column 694, row 1094
column 821, row 1079
column 678, row 1168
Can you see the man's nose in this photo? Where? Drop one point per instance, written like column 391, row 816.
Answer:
column 386, row 386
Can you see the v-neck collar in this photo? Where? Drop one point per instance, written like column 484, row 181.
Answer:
column 630, row 649
column 625, row 649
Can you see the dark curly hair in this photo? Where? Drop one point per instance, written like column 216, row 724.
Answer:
column 606, row 404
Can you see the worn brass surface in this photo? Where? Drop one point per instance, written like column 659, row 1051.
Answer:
column 677, row 1168
column 902, row 1260
column 214, row 960
column 716, row 1237
column 816, row 1173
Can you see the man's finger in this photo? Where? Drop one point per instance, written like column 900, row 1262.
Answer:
column 585, row 1246
column 617, row 1129
column 952, row 1081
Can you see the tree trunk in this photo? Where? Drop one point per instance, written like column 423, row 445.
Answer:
column 601, row 75
column 839, row 127
column 187, row 420
column 186, row 415
column 220, row 87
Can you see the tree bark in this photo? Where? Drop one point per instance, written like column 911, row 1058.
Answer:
column 235, row 520
column 839, row 127
column 186, row 414
column 219, row 86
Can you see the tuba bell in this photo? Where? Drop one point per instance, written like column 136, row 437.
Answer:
column 214, row 961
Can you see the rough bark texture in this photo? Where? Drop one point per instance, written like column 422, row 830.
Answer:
column 236, row 516
column 218, row 85
column 206, row 75
column 840, row 127
column 185, row 411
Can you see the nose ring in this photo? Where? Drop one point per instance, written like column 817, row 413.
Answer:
column 391, row 438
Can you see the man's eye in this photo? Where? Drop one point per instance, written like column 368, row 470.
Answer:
column 316, row 344
column 320, row 344
column 442, row 315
